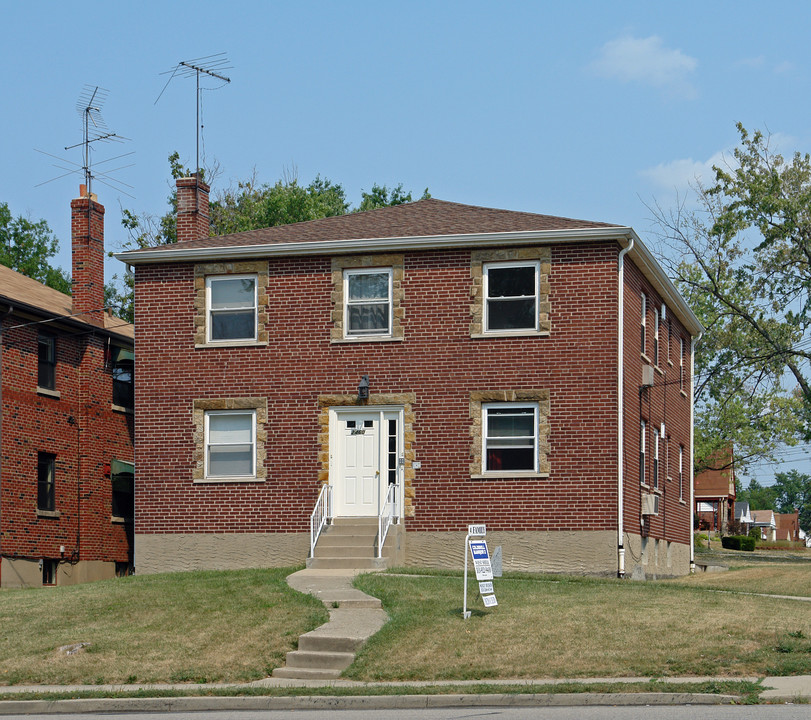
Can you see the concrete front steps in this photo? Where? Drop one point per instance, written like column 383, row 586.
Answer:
column 348, row 544
column 354, row 617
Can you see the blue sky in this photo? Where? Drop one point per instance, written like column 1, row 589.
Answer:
column 583, row 109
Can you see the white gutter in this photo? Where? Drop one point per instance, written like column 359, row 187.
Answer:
column 639, row 253
column 621, row 409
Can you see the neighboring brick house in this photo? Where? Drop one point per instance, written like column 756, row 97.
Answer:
column 715, row 493
column 66, row 422
column 525, row 371
column 788, row 526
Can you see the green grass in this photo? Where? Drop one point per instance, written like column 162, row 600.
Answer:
column 578, row 627
column 236, row 627
column 181, row 627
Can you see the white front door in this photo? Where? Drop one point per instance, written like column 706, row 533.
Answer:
column 365, row 451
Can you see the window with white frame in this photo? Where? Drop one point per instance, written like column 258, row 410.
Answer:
column 644, row 322
column 230, row 443
column 643, row 427
column 681, row 364
column 367, row 302
column 655, row 458
column 510, row 296
column 681, row 472
column 510, row 437
column 656, row 323
column 231, row 308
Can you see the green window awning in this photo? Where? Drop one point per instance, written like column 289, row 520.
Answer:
column 118, row 467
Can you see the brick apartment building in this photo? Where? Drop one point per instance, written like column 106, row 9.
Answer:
column 66, row 422
column 432, row 363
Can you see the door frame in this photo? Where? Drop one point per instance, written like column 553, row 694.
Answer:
column 384, row 412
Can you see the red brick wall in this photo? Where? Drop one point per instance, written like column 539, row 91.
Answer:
column 35, row 423
column 87, row 232
column 664, row 402
column 438, row 361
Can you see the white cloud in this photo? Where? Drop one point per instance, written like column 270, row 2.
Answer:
column 679, row 175
column 783, row 67
column 647, row 61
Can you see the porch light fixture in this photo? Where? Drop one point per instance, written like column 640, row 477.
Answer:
column 363, row 388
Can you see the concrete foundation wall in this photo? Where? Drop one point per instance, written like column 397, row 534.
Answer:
column 218, row 551
column 27, row 573
column 575, row 552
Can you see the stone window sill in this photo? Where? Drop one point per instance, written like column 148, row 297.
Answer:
column 211, row 481
column 118, row 520
column 48, row 513
column 516, row 334
column 646, row 359
column 231, row 344
column 509, row 476
column 122, row 409
column 49, row 393
column 365, row 339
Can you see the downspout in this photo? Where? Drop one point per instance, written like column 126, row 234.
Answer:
column 621, row 409
column 694, row 341
column 2, row 318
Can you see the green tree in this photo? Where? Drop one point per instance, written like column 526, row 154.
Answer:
column 248, row 205
column 743, row 262
column 758, row 496
column 27, row 247
column 379, row 197
column 793, row 491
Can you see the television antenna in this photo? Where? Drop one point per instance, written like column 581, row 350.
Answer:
column 94, row 130
column 208, row 65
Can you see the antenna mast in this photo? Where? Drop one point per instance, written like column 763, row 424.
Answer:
column 211, row 65
column 94, row 129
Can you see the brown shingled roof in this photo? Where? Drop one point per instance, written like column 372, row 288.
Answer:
column 18, row 288
column 423, row 218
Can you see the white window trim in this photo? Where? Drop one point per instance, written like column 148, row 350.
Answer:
column 643, row 458
column 644, row 326
column 656, row 469
column 486, row 296
column 485, row 428
column 231, row 341
column 206, row 445
column 348, row 272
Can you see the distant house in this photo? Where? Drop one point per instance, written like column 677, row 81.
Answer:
column 788, row 526
column 743, row 516
column 66, row 422
column 765, row 520
column 429, row 365
column 715, row 493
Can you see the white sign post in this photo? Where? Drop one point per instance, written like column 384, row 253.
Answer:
column 477, row 546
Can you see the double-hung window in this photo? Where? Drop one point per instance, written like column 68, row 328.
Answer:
column 367, row 306
column 510, row 437
column 644, row 324
column 231, row 308
column 123, row 368
column 642, row 428
column 123, row 489
column 46, row 365
column 46, row 495
column 511, row 296
column 655, row 458
column 230, row 437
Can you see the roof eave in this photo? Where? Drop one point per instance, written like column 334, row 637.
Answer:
column 640, row 254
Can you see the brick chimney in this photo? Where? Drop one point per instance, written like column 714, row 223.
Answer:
column 87, row 249
column 192, row 209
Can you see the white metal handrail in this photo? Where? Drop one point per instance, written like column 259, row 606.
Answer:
column 387, row 516
column 321, row 515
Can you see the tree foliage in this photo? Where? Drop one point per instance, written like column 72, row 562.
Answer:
column 246, row 205
column 743, row 262
column 791, row 491
column 27, row 247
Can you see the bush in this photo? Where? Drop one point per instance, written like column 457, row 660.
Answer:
column 738, row 542
column 754, row 533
